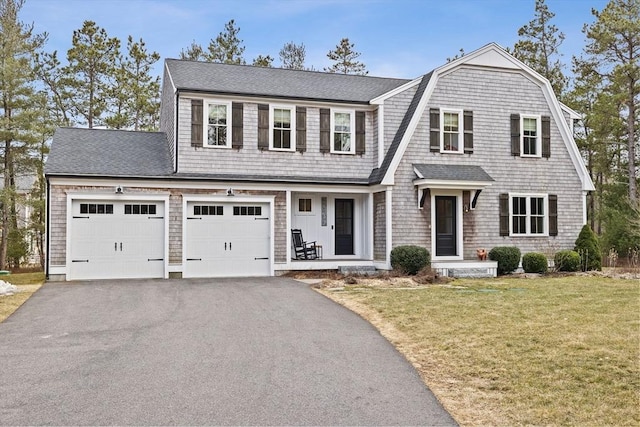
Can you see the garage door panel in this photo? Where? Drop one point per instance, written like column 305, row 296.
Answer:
column 232, row 244
column 106, row 241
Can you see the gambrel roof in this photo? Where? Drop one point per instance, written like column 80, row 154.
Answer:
column 491, row 55
column 193, row 76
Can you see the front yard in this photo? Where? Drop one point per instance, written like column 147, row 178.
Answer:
column 515, row 351
column 27, row 284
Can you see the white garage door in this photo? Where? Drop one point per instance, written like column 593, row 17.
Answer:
column 116, row 239
column 227, row 239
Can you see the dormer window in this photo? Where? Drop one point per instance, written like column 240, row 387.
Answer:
column 283, row 125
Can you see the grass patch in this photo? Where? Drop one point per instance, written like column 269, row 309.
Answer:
column 27, row 284
column 543, row 351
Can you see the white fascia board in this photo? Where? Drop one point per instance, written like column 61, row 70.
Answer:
column 380, row 99
column 166, row 67
column 572, row 113
column 567, row 137
column 388, row 178
column 208, row 185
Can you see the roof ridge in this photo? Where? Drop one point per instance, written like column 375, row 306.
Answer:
column 326, row 73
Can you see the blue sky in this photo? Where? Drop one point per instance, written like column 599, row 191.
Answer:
column 397, row 38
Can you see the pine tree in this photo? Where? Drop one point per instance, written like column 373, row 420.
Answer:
column 263, row 61
column 345, row 59
column 17, row 115
column 91, row 62
column 589, row 250
column 135, row 92
column 292, row 56
column 613, row 52
column 227, row 48
column 193, row 53
column 539, row 47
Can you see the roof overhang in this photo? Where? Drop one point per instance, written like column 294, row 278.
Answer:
column 450, row 177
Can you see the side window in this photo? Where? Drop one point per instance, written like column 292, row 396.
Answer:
column 218, row 124
column 530, row 142
column 282, row 122
column 342, row 131
column 530, row 135
column 450, row 131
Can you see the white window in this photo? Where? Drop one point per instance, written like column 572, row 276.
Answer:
column 282, row 122
column 343, row 125
column 217, row 132
column 530, row 136
column 528, row 214
column 451, row 131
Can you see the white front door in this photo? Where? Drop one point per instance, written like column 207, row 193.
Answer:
column 227, row 239
column 116, row 239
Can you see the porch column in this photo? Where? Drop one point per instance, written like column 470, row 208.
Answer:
column 389, row 226
column 288, row 221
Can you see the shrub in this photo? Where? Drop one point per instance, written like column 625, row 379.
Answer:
column 508, row 258
column 567, row 261
column 588, row 248
column 534, row 262
column 409, row 259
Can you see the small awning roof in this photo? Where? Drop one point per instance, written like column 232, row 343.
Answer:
column 459, row 177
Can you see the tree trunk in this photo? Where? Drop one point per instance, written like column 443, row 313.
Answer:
column 631, row 141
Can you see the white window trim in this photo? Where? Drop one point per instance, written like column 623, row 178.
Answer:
column 460, row 114
column 292, row 109
column 352, row 124
column 538, row 119
column 528, row 216
column 205, row 130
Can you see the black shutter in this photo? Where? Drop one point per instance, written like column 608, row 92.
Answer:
column 434, row 124
column 263, row 126
column 515, row 134
column 504, row 214
column 236, row 121
column 360, row 137
column 546, row 136
column 325, row 130
column 301, row 129
column 468, row 132
column 196, row 123
column 553, row 215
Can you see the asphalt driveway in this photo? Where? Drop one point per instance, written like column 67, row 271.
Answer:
column 266, row 351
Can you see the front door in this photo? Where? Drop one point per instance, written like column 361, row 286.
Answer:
column 344, row 227
column 446, row 226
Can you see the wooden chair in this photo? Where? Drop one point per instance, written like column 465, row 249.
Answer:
column 302, row 249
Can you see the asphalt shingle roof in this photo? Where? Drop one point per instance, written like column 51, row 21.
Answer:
column 453, row 172
column 277, row 82
column 103, row 152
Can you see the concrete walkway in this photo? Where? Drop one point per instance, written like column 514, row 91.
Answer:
column 266, row 351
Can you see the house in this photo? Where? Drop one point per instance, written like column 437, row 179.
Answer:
column 475, row 154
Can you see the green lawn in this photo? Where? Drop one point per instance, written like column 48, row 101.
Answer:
column 506, row 351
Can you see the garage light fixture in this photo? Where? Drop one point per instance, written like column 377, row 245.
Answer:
column 230, row 192
column 119, row 189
